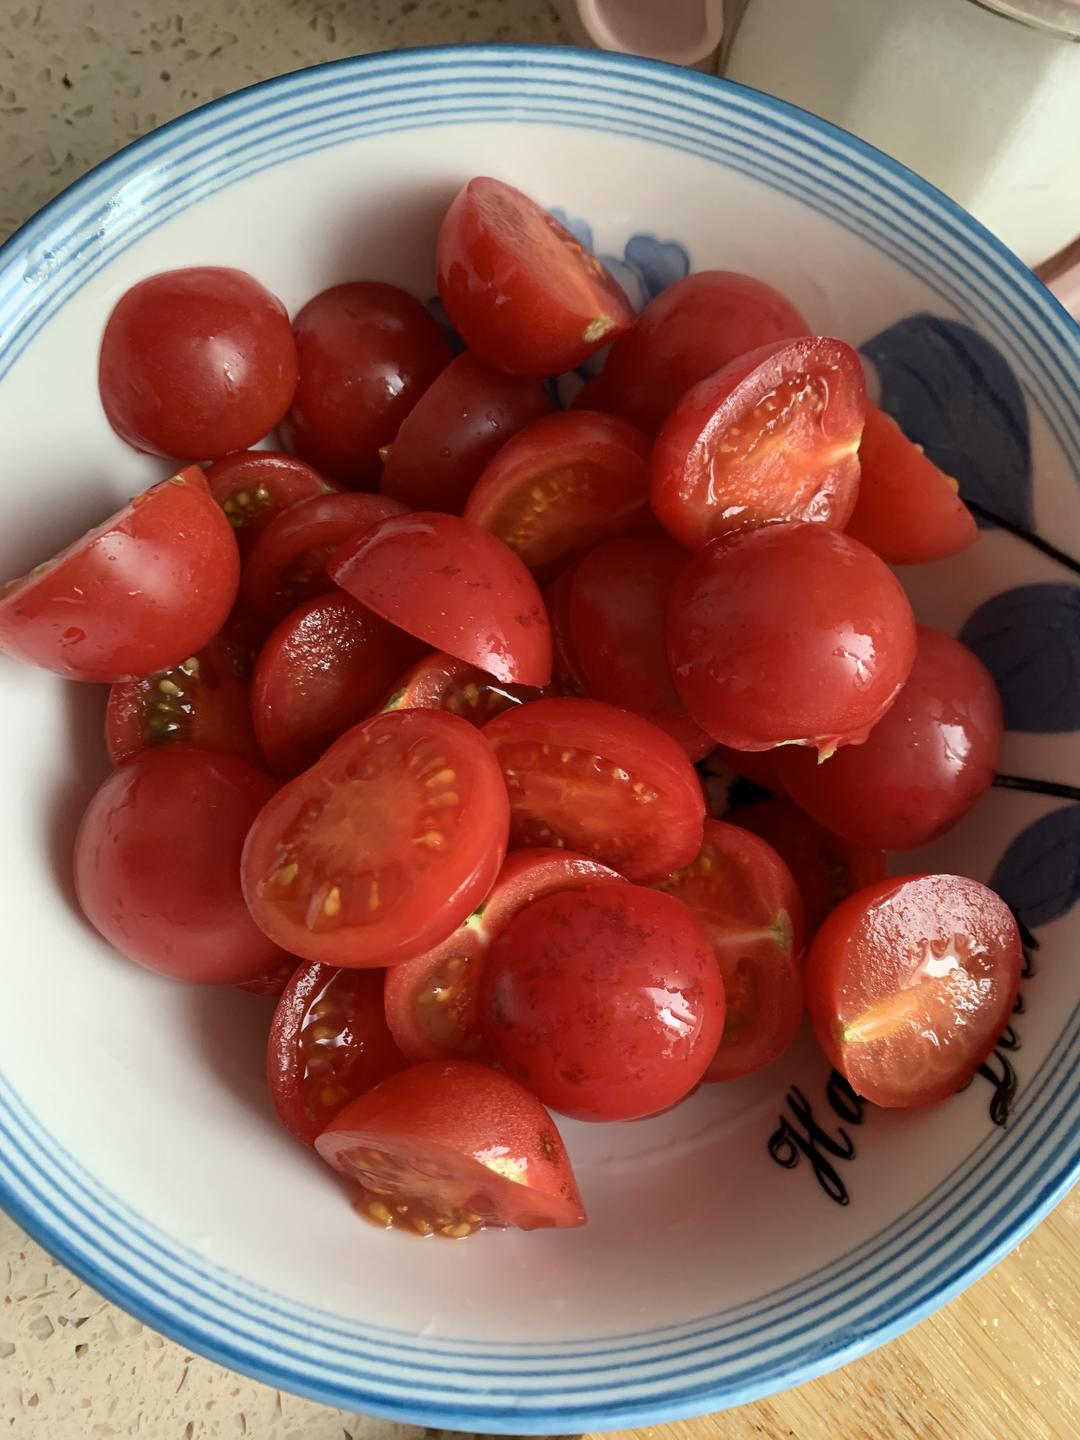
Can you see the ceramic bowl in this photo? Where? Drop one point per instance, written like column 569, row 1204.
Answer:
column 766, row 1230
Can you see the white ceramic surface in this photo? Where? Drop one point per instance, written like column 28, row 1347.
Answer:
column 135, row 1135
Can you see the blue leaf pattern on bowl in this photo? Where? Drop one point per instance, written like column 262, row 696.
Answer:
column 1039, row 874
column 1029, row 640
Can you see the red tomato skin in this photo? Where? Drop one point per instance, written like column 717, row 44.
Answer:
column 439, row 682
column 462, row 1112
column 157, row 864
column 692, row 329
column 459, row 423
column 566, row 674
column 617, row 614
column 287, row 830
column 367, row 352
column 521, row 291
column 455, row 587
column 666, row 830
column 255, row 486
column 196, row 363
column 925, row 764
column 86, row 617
column 561, row 485
column 273, row 983
column 724, row 462
column 573, row 997
column 328, row 1043
column 862, row 952
column 908, row 511
column 756, row 765
column 756, row 666
column 439, row 991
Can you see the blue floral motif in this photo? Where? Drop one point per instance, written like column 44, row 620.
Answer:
column 955, row 394
column 1029, row 640
column 1039, row 874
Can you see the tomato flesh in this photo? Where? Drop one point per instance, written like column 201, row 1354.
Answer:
column 439, row 682
column 910, row 983
column 254, row 486
column 381, row 850
column 431, row 1002
column 450, row 1147
column 600, row 781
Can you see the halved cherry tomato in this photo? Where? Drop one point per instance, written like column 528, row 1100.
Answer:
column 926, row 762
column 324, row 667
column 691, row 329
column 197, row 362
column 454, row 586
column 431, row 1002
column 617, row 613
column 157, row 864
column 908, row 511
column 910, row 983
column 772, row 436
column 381, row 850
column 87, row 617
column 562, row 484
column 591, row 778
column 525, row 295
column 826, row 868
column 746, row 901
column 566, row 676
column 288, row 562
column 367, row 352
column 439, row 682
column 204, row 699
column 463, row 417
column 450, row 1147
column 254, row 486
column 328, row 1043
column 606, row 1002
column 789, row 635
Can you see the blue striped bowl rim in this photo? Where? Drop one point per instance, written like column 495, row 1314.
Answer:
column 998, row 1191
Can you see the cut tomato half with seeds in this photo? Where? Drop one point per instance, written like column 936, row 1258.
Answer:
column 381, row 850
column 439, row 682
column 254, row 486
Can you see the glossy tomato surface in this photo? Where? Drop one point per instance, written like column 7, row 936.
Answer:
column 600, row 781
column 454, row 586
column 746, row 900
column 157, row 864
column 367, row 352
column 431, row 1002
column 926, row 761
column 440, row 682
column 605, row 1002
column 910, row 983
column 773, row 436
column 459, row 423
column 450, row 1147
column 691, row 329
column 381, row 850
column 790, row 634
column 525, row 295
column 328, row 1043
column 254, row 486
column 138, row 594
column 196, row 362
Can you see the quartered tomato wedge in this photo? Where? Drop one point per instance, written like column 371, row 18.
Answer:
column 562, row 484
column 691, row 329
column 439, row 682
column 328, row 1043
column 617, row 621
column 454, row 586
column 324, row 668
column 381, row 850
column 254, row 486
column 287, row 564
column 772, row 436
column 909, row 512
column 746, row 901
column 600, row 781
column 450, row 1147
column 431, row 1002
column 910, row 983
column 524, row 294
column 455, row 428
